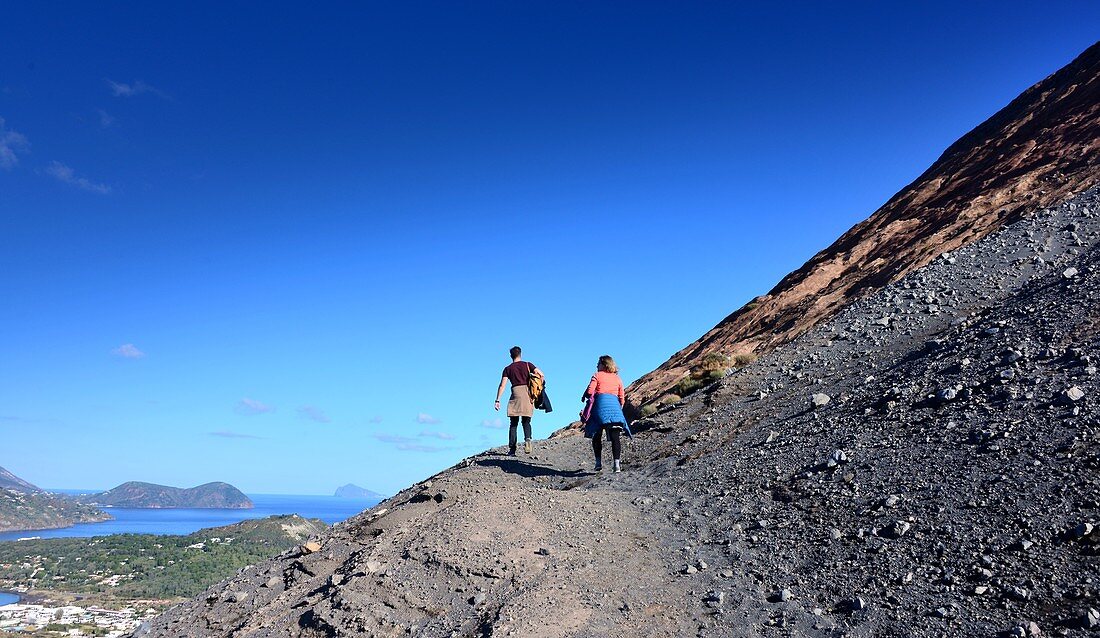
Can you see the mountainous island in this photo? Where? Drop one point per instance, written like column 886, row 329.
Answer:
column 24, row 506
column 354, row 491
column 136, row 494
column 899, row 440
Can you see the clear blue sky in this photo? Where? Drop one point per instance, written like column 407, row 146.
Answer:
column 288, row 246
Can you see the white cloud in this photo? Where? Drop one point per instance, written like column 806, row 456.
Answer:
column 137, row 87
column 492, row 424
column 392, row 438
column 106, row 120
column 128, row 351
column 427, row 419
column 11, row 143
column 226, row 434
column 313, row 414
column 252, row 406
column 438, row 435
column 418, row 447
column 63, row 173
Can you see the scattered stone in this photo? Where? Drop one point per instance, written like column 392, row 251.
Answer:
column 542, row 551
column 689, row 569
column 714, row 598
column 820, row 400
column 1082, row 530
column 1073, row 394
column 1069, row 273
column 947, row 394
column 772, row 436
column 311, row 547
column 838, row 457
column 477, row 600
column 1090, row 619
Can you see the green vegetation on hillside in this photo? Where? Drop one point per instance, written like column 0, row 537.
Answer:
column 40, row 510
column 145, row 566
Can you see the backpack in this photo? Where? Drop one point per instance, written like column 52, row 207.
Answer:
column 535, row 383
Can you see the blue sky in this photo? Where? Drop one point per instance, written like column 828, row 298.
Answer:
column 288, row 246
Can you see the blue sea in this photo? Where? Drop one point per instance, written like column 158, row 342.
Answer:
column 7, row 599
column 329, row 509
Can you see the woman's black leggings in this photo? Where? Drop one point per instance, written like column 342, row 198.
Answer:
column 614, row 430
column 513, row 422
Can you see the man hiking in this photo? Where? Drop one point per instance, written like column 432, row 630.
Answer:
column 520, row 405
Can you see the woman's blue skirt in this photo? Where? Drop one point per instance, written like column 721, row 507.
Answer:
column 605, row 412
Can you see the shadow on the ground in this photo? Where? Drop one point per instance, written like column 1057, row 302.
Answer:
column 514, row 465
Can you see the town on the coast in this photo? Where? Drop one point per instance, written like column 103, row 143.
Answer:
column 70, row 620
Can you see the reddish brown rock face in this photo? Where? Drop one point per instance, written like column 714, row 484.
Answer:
column 1037, row 151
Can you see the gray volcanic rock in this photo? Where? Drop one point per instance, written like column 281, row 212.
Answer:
column 891, row 513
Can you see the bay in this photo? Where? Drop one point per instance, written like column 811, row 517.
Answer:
column 329, row 509
column 8, row 599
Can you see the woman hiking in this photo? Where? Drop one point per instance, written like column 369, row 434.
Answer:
column 605, row 414
column 519, row 405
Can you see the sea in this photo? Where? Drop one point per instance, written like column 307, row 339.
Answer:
column 330, row 509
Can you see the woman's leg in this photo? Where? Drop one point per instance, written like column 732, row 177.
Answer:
column 513, row 422
column 614, row 433
column 597, row 445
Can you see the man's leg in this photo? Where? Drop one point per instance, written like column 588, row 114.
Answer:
column 513, row 423
column 527, row 434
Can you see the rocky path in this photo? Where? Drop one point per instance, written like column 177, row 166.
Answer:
column 924, row 464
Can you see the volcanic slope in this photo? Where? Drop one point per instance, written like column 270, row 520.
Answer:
column 948, row 486
column 1035, row 152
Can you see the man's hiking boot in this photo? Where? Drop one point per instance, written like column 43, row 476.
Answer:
column 618, row 466
column 511, row 451
column 527, row 447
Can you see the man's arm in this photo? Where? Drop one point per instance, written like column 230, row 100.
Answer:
column 500, row 391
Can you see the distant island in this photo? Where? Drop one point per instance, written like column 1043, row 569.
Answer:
column 135, row 494
column 354, row 491
column 24, row 506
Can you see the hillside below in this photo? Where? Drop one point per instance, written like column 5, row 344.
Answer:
column 119, row 569
column 1037, row 151
column 922, row 464
column 149, row 495
column 24, row 506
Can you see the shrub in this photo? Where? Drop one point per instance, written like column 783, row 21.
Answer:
column 648, row 409
column 714, row 361
column 687, row 385
column 669, row 399
column 742, row 360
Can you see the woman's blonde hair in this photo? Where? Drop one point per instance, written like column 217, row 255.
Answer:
column 607, row 364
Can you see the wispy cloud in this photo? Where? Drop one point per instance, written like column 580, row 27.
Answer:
column 11, row 144
column 128, row 351
column 106, row 120
column 427, row 419
column 492, row 424
column 63, row 173
column 444, row 436
column 226, row 434
column 375, row 419
column 252, row 406
column 393, row 438
column 137, row 87
column 419, row 447
column 313, row 414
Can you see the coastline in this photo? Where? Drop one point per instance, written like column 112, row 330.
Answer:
column 19, row 598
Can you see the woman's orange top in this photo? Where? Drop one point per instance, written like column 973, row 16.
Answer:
column 606, row 383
